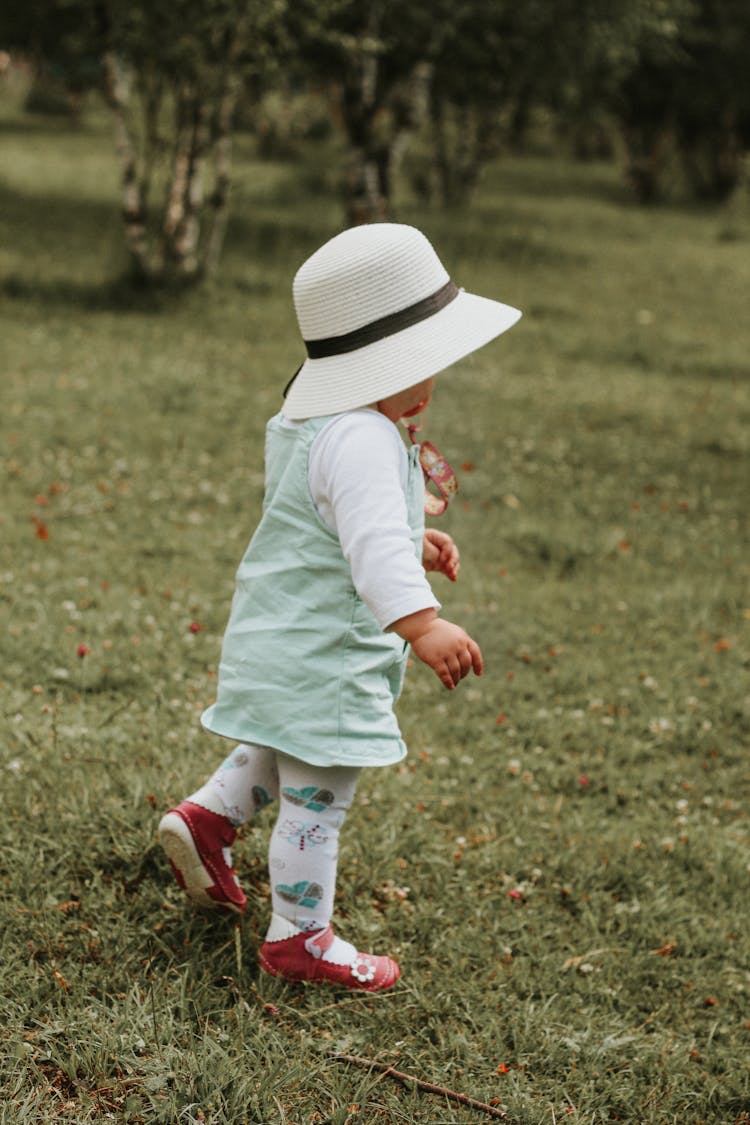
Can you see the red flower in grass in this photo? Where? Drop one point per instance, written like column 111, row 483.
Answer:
column 82, row 650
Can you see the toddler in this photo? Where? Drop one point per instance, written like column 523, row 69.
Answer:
column 332, row 592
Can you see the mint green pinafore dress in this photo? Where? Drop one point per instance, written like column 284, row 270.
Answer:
column 305, row 667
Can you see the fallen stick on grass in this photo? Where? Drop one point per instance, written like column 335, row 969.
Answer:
column 428, row 1087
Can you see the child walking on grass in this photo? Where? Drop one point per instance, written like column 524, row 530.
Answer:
column 332, row 592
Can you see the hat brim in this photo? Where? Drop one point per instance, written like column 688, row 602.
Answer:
column 369, row 374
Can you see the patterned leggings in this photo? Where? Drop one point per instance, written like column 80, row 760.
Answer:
column 313, row 802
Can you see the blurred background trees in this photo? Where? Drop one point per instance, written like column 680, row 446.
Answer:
column 687, row 96
column 172, row 73
column 434, row 90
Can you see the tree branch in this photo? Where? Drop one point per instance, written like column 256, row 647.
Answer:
column 428, row 1087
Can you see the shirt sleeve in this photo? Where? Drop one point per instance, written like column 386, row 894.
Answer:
column 357, row 473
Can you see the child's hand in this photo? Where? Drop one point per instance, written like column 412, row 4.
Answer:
column 449, row 651
column 440, row 553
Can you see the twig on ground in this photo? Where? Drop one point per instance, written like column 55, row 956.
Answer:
column 428, row 1087
column 238, row 946
column 576, row 962
column 120, row 1084
column 122, row 707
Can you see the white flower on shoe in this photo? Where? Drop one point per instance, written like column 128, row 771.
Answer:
column 363, row 968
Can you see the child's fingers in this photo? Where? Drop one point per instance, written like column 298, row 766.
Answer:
column 440, row 553
column 471, row 659
column 453, row 669
column 450, row 671
column 443, row 673
column 449, row 561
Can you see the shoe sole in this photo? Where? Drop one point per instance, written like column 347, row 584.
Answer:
column 178, row 843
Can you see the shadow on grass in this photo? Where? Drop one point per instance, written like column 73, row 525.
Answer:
column 120, row 294
column 46, row 230
column 44, row 124
column 51, row 222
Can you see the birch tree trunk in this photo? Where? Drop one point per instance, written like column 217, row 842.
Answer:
column 184, row 245
column 464, row 139
column 176, row 136
column 136, row 240
column 219, row 198
column 380, row 123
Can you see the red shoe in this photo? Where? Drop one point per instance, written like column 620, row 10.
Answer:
column 301, row 958
column 197, row 843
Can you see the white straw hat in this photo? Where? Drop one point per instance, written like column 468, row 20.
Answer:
column 379, row 313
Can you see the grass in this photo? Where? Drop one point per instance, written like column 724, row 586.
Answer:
column 562, row 863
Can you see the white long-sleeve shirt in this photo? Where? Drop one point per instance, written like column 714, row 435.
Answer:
column 357, row 472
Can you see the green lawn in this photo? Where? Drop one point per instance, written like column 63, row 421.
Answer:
column 562, row 866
